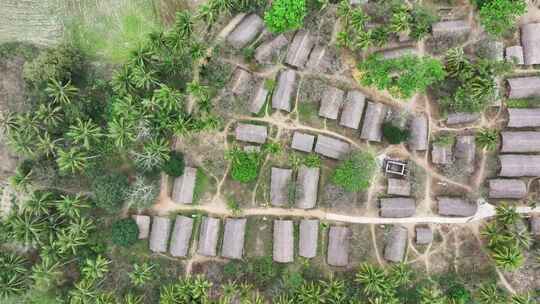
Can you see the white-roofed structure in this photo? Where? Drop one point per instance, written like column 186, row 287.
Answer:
column 309, row 236
column 302, row 142
column 298, row 52
column 307, row 186
column 233, row 238
column 281, row 181
column 283, row 251
column 159, row 234
column 331, row 102
column 372, row 127
column 181, row 236
column 251, row 133
column 209, row 236
column 284, row 91
column 184, row 186
column 332, row 147
column 353, row 108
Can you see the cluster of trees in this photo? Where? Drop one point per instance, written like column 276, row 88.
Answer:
column 394, row 134
column 396, row 18
column 499, row 16
column 403, row 76
column 285, row 15
column 354, row 174
column 474, row 82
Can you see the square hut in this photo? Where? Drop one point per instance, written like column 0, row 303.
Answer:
column 398, row 186
column 209, row 236
column 181, row 236
column 283, row 251
column 524, row 87
column 353, row 109
column 339, row 242
column 424, row 235
column 233, row 238
column 303, row 142
column 159, row 234
column 184, row 186
column 309, row 236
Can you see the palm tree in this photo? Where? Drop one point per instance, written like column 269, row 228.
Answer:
column 122, row 132
column 401, row 19
column 46, row 145
column 26, row 228
column 494, row 235
column 122, row 80
column 12, row 274
column 335, row 290
column 374, row 280
column 141, row 274
column 206, row 13
column 49, row 115
column 358, row 19
column 70, row 206
column 46, row 273
column 522, row 299
column 131, row 299
column 522, row 238
column 506, row 214
column 22, row 142
column 344, row 39
column 84, row 133
column 84, row 292
column 183, row 25
column 39, row 204
column 168, row 98
column 71, row 238
column 508, row 257
column 95, row 269
column 144, row 78
column 72, row 161
column 153, row 155
column 487, row 139
column 364, row 40
column 401, row 274
column 106, row 298
column 432, row 295
column 491, row 294
column 61, row 93
column 310, row 293
column 141, row 57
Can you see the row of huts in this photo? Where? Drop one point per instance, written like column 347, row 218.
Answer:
column 528, row 53
column 402, row 207
column 461, row 149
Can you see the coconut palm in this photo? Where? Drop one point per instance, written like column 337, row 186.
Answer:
column 141, row 57
column 122, row 132
column 141, row 274
column 508, row 257
column 506, row 214
column 46, row 273
column 168, row 98
column 74, row 236
column 72, row 160
column 206, row 13
column 491, row 294
column 8, row 121
column 401, row 274
column 84, row 133
column 358, row 19
column 344, row 39
column 432, row 294
column 70, row 206
column 487, row 139
column 494, row 235
column 26, row 228
column 153, row 155
column 39, row 204
column 364, row 40
column 49, row 115
column 95, row 269
column 84, row 292
column 46, row 145
column 309, row 293
column 373, row 279
column 335, row 290
column 61, row 93
column 132, row 299
column 522, row 238
column 21, row 180
column 401, row 19
column 22, row 142
column 12, row 274
column 522, row 299
column 183, row 25
column 144, row 78
column 122, row 80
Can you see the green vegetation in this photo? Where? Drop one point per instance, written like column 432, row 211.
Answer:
column 285, row 15
column 402, row 77
column 109, row 190
column 312, row 160
column 125, row 232
column 354, row 173
column 499, row 16
column 523, row 103
column 141, row 274
column 201, row 183
column 245, row 166
column 393, row 134
column 445, row 140
column 174, row 166
column 487, row 139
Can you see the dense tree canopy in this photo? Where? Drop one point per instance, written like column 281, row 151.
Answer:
column 354, row 173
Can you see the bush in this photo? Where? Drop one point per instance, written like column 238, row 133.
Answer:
column 499, row 16
column 394, row 135
column 487, row 139
column 245, row 165
column 175, row 165
column 61, row 63
column 125, row 232
column 354, row 174
column 285, row 15
column 422, row 19
column 109, row 190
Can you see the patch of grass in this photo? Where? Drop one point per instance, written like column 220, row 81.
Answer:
column 446, row 140
column 201, row 185
column 523, row 103
column 307, row 111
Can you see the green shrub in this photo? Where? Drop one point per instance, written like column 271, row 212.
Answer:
column 245, row 165
column 499, row 16
column 487, row 139
column 422, row 19
column 109, row 190
column 447, row 140
column 285, row 15
column 354, row 174
column 175, row 165
column 125, row 232
column 394, row 135
column 201, row 183
column 61, row 63
column 263, row 270
column 312, row 160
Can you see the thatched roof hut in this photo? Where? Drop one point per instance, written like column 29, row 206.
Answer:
column 265, row 52
column 246, row 31
column 399, row 52
column 283, row 251
column 374, row 118
column 424, row 235
column 353, row 109
column 418, row 140
column 307, row 185
column 520, row 142
column 143, row 222
column 396, row 244
column 441, row 154
column 397, row 207
column 524, row 118
column 181, row 236
column 280, row 183
column 209, row 236
column 515, row 165
column 233, row 238
column 466, row 151
column 284, row 91
column 507, row 188
column 450, row 28
column 534, row 221
column 184, row 186
column 240, row 81
column 454, row 206
column 331, row 147
column 299, row 50
column 251, row 133
column 159, row 235
column 461, row 118
column 530, row 39
column 259, row 99
column 331, row 102
column 319, row 59
column 309, row 236
column 515, row 54
column 303, row 142
column 524, row 87
column 398, row 186
column 339, row 242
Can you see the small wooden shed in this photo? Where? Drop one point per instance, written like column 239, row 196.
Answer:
column 424, row 235
column 353, row 109
column 466, row 151
column 240, row 81
column 339, row 240
column 280, row 183
column 441, row 154
column 181, row 236
column 450, row 28
column 461, row 118
column 515, row 54
column 283, row 251
column 309, row 237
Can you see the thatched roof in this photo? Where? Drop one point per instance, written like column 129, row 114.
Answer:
column 418, row 140
column 396, row 244
column 424, row 235
column 331, row 147
column 246, row 31
column 302, row 142
column 143, row 222
column 374, row 118
column 454, row 206
column 441, row 154
column 400, row 52
column 159, row 235
column 284, row 91
column 240, row 81
column 399, row 186
column 258, row 99
column 307, row 185
column 309, row 236
column 251, row 133
column 299, row 50
column 318, row 59
column 507, row 188
column 397, row 207
column 283, row 251
column 454, row 27
column 514, row 165
column 530, row 39
column 331, row 102
column 461, row 118
column 265, row 52
column 466, row 151
column 181, row 236
column 184, row 186
column 281, row 181
column 353, row 109
column 535, row 224
column 233, row 238
column 520, row 142
column 339, row 240
column 515, row 54
column 524, row 118
column 209, row 236
column 524, row 87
